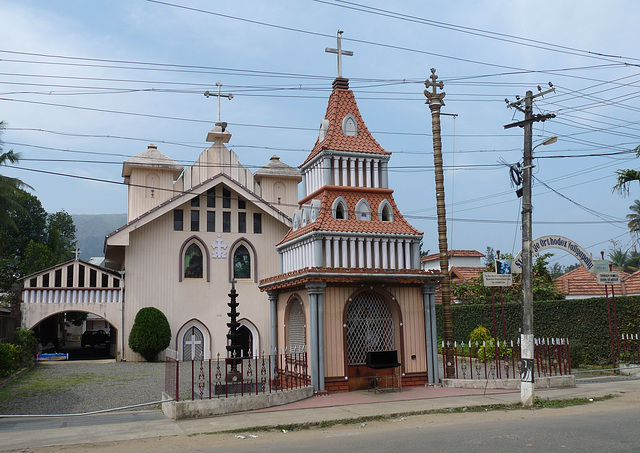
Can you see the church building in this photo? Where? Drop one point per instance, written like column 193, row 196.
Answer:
column 350, row 280
column 190, row 231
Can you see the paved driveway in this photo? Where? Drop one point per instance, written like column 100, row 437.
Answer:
column 83, row 386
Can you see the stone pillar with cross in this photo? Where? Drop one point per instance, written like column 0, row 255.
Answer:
column 435, row 101
column 339, row 52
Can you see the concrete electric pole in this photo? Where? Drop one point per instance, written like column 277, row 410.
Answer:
column 527, row 394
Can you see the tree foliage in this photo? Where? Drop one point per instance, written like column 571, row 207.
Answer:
column 150, row 333
column 473, row 291
column 41, row 240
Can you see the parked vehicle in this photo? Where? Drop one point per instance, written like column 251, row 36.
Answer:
column 94, row 338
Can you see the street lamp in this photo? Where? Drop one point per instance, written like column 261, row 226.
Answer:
column 527, row 395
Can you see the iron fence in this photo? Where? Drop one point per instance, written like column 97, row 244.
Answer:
column 235, row 376
column 502, row 360
column 630, row 349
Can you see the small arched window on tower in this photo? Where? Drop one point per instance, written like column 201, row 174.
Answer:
column 339, row 209
column 193, row 262
column 385, row 212
column 349, row 126
column 363, row 211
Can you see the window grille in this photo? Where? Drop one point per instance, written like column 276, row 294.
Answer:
column 370, row 327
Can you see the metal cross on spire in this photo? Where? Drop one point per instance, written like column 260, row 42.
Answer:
column 339, row 52
column 219, row 95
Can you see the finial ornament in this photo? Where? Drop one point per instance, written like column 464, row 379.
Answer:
column 434, row 98
column 339, row 52
column 219, row 95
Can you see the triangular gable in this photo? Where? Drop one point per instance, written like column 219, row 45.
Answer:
column 121, row 235
column 64, row 267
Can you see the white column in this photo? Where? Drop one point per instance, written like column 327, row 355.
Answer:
column 376, row 253
column 327, row 252
column 345, row 174
column 376, row 174
column 336, row 252
column 361, row 252
column 392, row 254
column 336, row 171
column 384, row 244
column 345, row 252
column 360, row 173
column 367, row 172
column 368, row 253
column 400, row 255
column 352, row 172
column 352, row 253
column 407, row 254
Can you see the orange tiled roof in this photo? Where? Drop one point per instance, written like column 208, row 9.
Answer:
column 632, row 283
column 580, row 282
column 341, row 103
column 453, row 253
column 347, row 275
column 351, row 195
column 461, row 273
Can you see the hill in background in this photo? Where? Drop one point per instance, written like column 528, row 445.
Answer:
column 92, row 229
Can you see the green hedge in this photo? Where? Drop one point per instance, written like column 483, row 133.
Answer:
column 583, row 321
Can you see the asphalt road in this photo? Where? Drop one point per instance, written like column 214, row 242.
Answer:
column 610, row 426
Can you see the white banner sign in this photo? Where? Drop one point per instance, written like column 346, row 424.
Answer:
column 608, row 278
column 493, row 279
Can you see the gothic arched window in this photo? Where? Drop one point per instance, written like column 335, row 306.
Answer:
column 193, row 262
column 241, row 263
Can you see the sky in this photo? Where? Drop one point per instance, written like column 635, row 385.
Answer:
column 86, row 85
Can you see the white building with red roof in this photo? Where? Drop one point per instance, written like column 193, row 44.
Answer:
column 350, row 280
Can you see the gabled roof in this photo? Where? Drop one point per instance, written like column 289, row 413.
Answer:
column 462, row 273
column 341, row 103
column 169, row 205
column 453, row 253
column 69, row 263
column 327, row 223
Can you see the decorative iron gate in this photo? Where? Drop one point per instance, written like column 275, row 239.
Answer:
column 370, row 327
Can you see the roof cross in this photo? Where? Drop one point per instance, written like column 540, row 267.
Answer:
column 340, row 52
column 77, row 253
column 219, row 95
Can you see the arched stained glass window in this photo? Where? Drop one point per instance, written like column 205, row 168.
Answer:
column 241, row 263
column 193, row 262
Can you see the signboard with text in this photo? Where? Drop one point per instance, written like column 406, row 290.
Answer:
column 494, row 279
column 608, row 278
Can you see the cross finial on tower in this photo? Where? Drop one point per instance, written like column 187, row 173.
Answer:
column 77, row 253
column 433, row 98
column 339, row 52
column 219, row 95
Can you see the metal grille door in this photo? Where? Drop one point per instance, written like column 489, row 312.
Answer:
column 370, row 327
column 297, row 337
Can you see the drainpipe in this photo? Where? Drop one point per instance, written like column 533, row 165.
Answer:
column 122, row 359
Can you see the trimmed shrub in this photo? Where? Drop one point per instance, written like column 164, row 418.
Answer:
column 150, row 333
column 8, row 359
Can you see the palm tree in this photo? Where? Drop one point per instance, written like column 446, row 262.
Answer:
column 634, row 219
column 624, row 178
column 9, row 187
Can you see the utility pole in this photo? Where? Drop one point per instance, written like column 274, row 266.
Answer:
column 527, row 393
column 435, row 101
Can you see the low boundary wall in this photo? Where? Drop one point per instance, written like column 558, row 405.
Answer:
column 542, row 382
column 219, row 406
